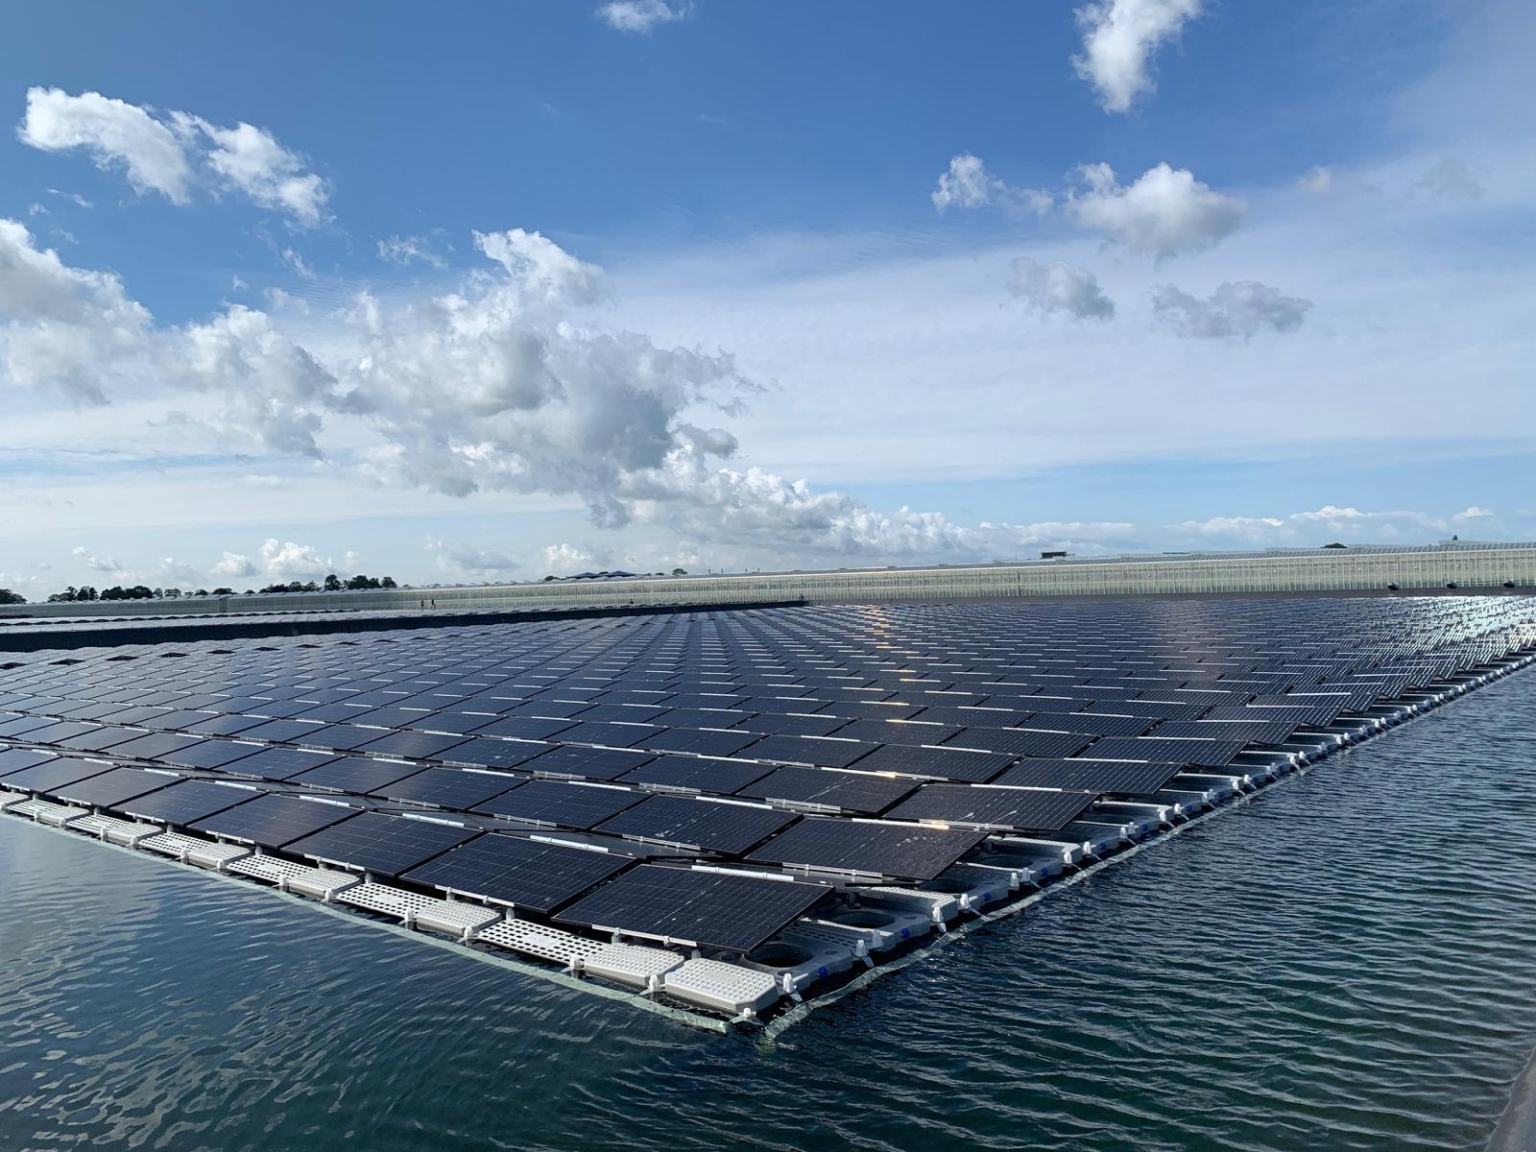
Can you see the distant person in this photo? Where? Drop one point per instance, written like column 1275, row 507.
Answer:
column 423, row 603
column 434, row 601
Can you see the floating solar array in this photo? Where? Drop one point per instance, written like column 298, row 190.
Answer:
column 716, row 780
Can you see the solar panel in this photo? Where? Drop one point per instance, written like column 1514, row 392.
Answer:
column 562, row 804
column 1205, row 753
column 943, row 763
column 110, row 789
column 991, row 806
column 708, row 909
column 412, row 745
column 1120, row 777
column 19, row 725
column 524, row 873
column 818, row 751
column 154, row 745
column 851, row 791
column 790, row 724
column 184, row 802
column 1095, row 724
column 903, row 851
column 15, row 759
column 700, row 742
column 271, row 821
column 53, row 774
column 279, row 763
column 208, row 754
column 282, row 731
column 455, row 789
column 912, row 732
column 696, row 774
column 1020, row 742
column 478, row 753
column 336, row 737
column 354, row 774
column 697, row 822
column 589, row 763
column 386, row 845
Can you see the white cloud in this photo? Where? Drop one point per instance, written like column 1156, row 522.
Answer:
column 1120, row 38
column 234, row 564
column 1241, row 309
column 37, row 210
column 641, row 16
column 114, row 133
column 1058, row 287
column 1317, row 180
column 290, row 561
column 1165, row 213
column 97, row 563
column 248, row 159
column 295, row 261
column 173, row 154
column 967, row 184
column 403, row 250
column 352, row 562
column 280, row 301
column 264, row 481
column 64, row 327
column 564, row 559
column 178, row 571
column 1474, row 513
column 1312, row 529
column 74, row 198
column 1453, row 180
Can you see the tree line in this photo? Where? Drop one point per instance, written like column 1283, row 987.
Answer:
column 86, row 593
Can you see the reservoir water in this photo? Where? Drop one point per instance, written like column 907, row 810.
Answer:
column 1345, row 961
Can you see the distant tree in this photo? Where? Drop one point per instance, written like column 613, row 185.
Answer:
column 158, row 592
column 87, row 592
column 547, row 579
column 199, row 592
column 9, row 597
column 223, row 592
column 333, row 583
column 1334, row 545
column 250, row 592
column 679, row 571
column 172, row 593
column 388, row 582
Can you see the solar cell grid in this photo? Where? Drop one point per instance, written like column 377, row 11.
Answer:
column 381, row 844
column 712, row 825
column 520, row 872
column 874, row 848
column 111, row 788
column 561, row 804
column 993, row 806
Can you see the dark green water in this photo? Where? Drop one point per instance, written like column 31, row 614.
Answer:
column 1345, row 962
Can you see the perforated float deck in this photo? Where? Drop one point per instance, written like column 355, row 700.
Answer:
column 939, row 906
column 453, row 917
column 723, row 987
column 632, row 964
column 46, row 812
column 552, row 944
column 322, row 883
column 126, row 833
column 191, row 850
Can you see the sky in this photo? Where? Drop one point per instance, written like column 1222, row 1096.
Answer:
column 485, row 293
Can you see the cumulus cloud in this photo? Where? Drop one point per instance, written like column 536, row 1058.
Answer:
column 179, row 571
column 1452, row 180
column 290, row 561
column 1165, row 213
column 1120, row 37
column 1243, row 309
column 1059, row 287
column 64, row 327
column 1474, row 513
column 96, row 563
column 968, row 184
column 234, row 564
column 563, row 559
column 641, row 16
column 173, row 153
column 403, row 250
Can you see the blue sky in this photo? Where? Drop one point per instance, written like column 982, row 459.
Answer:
column 480, row 294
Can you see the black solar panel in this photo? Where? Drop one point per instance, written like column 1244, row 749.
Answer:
column 709, row 909
column 154, row 745
column 562, row 804
column 903, row 851
column 790, row 724
column 819, row 751
column 695, row 822
column 455, row 789
column 110, row 789
column 850, row 791
column 524, row 873
column 412, row 745
column 991, row 806
column 1205, row 753
column 208, row 754
column 1119, row 777
column 943, row 763
column 52, row 774
column 386, row 845
column 337, row 737
column 186, row 801
column 478, row 753
column 697, row 774
column 588, row 763
column 910, row 732
column 700, row 742
column 282, row 731
column 1020, row 741
column 273, row 821
column 15, row 759
column 278, row 763
column 354, row 774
